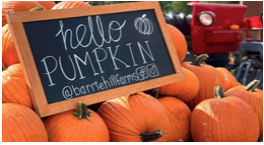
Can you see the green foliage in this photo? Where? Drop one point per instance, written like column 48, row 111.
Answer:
column 167, row 6
column 175, row 6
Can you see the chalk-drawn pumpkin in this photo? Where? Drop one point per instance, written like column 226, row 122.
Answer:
column 136, row 118
column 179, row 41
column 144, row 25
column 251, row 95
column 83, row 125
column 47, row 4
column 14, row 88
column 207, row 76
column 16, row 6
column 184, row 90
column 224, row 119
column 180, row 117
column 21, row 124
column 70, row 4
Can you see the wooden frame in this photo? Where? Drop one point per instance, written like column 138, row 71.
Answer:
column 16, row 20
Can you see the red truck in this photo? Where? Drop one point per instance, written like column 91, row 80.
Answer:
column 216, row 29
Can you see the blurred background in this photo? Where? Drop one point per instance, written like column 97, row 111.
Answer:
column 167, row 6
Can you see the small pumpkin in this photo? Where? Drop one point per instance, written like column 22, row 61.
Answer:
column 224, row 119
column 184, row 90
column 251, row 95
column 47, row 4
column 136, row 118
column 207, row 76
column 21, row 124
column 16, row 6
column 179, row 41
column 9, row 54
column 8, row 46
column 70, row 4
column 228, row 79
column 83, row 125
column 180, row 117
column 14, row 87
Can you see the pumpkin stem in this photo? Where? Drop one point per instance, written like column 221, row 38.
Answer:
column 200, row 59
column 36, row 9
column 180, row 140
column 144, row 16
column 218, row 92
column 252, row 86
column 155, row 93
column 151, row 136
column 82, row 111
column 3, row 67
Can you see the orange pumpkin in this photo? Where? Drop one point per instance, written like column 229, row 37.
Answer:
column 228, row 79
column 70, row 4
column 207, row 76
column 180, row 117
column 136, row 118
column 16, row 6
column 47, row 4
column 21, row 124
column 224, row 119
column 179, row 41
column 251, row 95
column 83, row 125
column 9, row 54
column 184, row 90
column 14, row 88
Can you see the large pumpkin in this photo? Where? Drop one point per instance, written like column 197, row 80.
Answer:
column 14, row 88
column 70, row 4
column 21, row 124
column 180, row 117
column 251, row 95
column 207, row 76
column 224, row 119
column 185, row 90
column 47, row 4
column 228, row 79
column 179, row 41
column 9, row 54
column 16, row 6
column 83, row 125
column 136, row 118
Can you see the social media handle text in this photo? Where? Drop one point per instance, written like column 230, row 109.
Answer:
column 140, row 74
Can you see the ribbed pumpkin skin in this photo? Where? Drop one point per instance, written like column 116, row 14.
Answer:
column 207, row 77
column 228, row 119
column 229, row 80
column 180, row 117
column 254, row 99
column 16, row 6
column 9, row 54
column 47, row 4
column 179, row 41
column 14, row 88
column 21, row 124
column 184, row 90
column 129, row 116
column 70, row 4
column 65, row 127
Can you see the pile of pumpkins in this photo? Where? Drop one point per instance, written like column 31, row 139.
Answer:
column 208, row 106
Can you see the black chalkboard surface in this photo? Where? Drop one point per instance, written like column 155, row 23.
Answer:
column 85, row 55
column 92, row 57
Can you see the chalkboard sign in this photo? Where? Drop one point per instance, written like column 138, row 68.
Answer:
column 93, row 54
